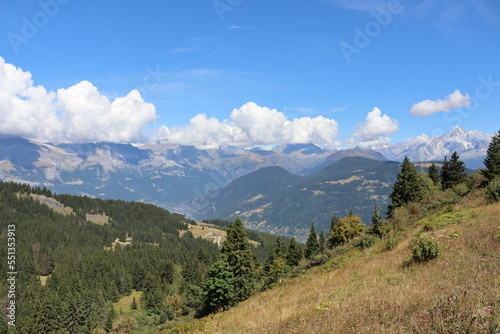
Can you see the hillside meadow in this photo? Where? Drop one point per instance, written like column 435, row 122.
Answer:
column 379, row 291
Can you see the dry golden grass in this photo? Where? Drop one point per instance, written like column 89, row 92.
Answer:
column 459, row 292
column 43, row 279
column 124, row 304
column 100, row 219
column 210, row 232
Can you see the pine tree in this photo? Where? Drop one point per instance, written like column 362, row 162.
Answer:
column 219, row 293
column 3, row 325
column 322, row 242
column 294, row 253
column 278, row 252
column 109, row 319
column 280, row 249
column 133, row 306
column 312, row 246
column 335, row 220
column 408, row 187
column 433, row 174
column 236, row 252
column 492, row 161
column 453, row 171
column 377, row 227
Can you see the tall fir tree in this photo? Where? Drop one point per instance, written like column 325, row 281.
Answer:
column 335, row 220
column 236, row 252
column 433, row 174
column 280, row 249
column 218, row 287
column 453, row 171
column 321, row 242
column 294, row 253
column 492, row 161
column 377, row 227
column 312, row 245
column 408, row 187
column 133, row 306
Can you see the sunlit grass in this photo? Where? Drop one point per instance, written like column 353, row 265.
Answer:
column 458, row 292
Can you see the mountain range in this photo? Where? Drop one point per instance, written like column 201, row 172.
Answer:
column 471, row 146
column 275, row 201
column 176, row 177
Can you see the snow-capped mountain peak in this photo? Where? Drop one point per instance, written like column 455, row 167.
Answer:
column 471, row 146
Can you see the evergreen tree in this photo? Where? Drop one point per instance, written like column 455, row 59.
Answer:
column 492, row 161
column 280, row 249
column 191, row 271
column 278, row 252
column 322, row 242
column 294, row 253
column 453, row 171
column 346, row 229
column 377, row 227
column 110, row 319
column 335, row 220
column 236, row 252
column 3, row 325
column 408, row 187
column 133, row 306
column 312, row 245
column 218, row 287
column 433, row 174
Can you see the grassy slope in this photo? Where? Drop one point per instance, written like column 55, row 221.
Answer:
column 376, row 294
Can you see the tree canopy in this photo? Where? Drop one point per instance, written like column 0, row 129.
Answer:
column 408, row 187
column 492, row 161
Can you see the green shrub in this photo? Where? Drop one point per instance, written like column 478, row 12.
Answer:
column 365, row 241
column 390, row 241
column 318, row 259
column 425, row 249
column 461, row 189
column 493, row 189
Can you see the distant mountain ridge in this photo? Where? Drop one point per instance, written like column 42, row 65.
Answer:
column 277, row 202
column 169, row 175
column 471, row 146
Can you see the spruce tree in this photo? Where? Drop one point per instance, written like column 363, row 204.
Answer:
column 280, row 249
column 219, row 292
column 408, row 187
column 294, row 253
column 433, row 174
column 236, row 252
column 3, row 325
column 492, row 161
column 133, row 306
column 335, row 220
column 377, row 222
column 312, row 245
column 453, row 171
column 322, row 242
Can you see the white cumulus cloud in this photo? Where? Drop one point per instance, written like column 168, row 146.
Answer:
column 80, row 113
column 375, row 129
column 252, row 125
column 453, row 101
column 76, row 114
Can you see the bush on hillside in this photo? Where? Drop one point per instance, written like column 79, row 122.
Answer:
column 493, row 189
column 365, row 241
column 425, row 249
column 391, row 240
column 461, row 189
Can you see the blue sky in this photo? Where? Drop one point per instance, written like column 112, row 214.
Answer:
column 333, row 72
